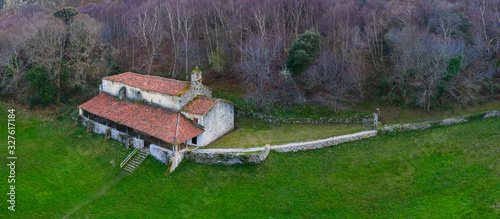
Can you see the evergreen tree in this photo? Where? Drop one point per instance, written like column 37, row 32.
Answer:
column 303, row 51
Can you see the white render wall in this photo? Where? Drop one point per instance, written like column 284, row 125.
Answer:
column 164, row 100
column 114, row 134
column 218, row 121
column 199, row 140
column 135, row 94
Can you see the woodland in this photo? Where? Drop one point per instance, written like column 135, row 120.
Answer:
column 417, row 53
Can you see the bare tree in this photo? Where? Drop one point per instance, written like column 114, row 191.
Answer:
column 185, row 24
column 256, row 68
column 150, row 33
column 421, row 61
column 46, row 47
column 84, row 41
column 331, row 78
column 13, row 74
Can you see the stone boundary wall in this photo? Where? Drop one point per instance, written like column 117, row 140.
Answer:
column 176, row 160
column 311, row 145
column 114, row 134
column 227, row 158
column 445, row 122
column 162, row 154
column 323, row 120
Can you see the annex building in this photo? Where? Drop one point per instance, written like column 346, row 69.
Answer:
column 151, row 112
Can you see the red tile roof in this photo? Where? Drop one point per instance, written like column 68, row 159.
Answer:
column 200, row 105
column 152, row 83
column 163, row 124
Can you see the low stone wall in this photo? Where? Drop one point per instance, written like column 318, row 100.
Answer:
column 322, row 120
column 227, row 158
column 310, row 145
column 176, row 160
column 406, row 127
column 162, row 154
column 114, row 134
column 445, row 122
column 492, row 114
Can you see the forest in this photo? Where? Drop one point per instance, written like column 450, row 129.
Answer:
column 417, row 53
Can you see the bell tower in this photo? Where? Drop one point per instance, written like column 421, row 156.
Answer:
column 196, row 79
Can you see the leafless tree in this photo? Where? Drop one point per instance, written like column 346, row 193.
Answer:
column 331, row 77
column 46, row 46
column 421, row 60
column 185, row 24
column 150, row 33
column 13, row 74
column 256, row 68
column 84, row 40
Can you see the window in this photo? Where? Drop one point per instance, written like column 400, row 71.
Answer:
column 195, row 120
column 194, row 140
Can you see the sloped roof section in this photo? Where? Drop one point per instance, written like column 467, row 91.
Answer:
column 163, row 124
column 200, row 105
column 152, row 83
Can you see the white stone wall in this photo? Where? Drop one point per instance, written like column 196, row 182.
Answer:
column 218, row 121
column 135, row 94
column 227, row 158
column 176, row 160
column 162, row 154
column 170, row 102
column 192, row 93
column 199, row 140
column 191, row 116
column 115, row 134
column 310, row 145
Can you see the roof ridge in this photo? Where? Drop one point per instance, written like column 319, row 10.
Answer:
column 155, row 76
column 159, row 84
column 176, row 128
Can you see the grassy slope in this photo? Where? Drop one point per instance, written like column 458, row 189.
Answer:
column 452, row 172
column 448, row 172
column 58, row 165
column 255, row 133
column 394, row 114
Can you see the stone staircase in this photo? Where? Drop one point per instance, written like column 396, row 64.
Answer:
column 135, row 161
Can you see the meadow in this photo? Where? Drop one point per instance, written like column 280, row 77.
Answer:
column 451, row 172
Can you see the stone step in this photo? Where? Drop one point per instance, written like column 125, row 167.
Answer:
column 136, row 161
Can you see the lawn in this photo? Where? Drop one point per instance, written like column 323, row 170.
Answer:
column 58, row 164
column 447, row 172
column 255, row 133
column 396, row 115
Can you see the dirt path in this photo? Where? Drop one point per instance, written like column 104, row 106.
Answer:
column 101, row 192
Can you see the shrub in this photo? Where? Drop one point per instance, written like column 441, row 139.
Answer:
column 303, row 51
column 38, row 76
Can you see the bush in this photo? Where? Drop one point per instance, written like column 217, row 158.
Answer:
column 303, row 51
column 38, row 76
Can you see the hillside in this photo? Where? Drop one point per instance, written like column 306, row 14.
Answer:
column 443, row 172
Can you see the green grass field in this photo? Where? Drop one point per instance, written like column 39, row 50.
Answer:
column 447, row 172
column 395, row 115
column 255, row 133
